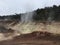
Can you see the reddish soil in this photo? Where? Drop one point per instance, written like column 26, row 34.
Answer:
column 34, row 38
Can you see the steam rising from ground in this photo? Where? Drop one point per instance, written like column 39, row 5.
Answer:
column 25, row 18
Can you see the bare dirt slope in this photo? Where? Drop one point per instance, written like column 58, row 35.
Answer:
column 30, row 34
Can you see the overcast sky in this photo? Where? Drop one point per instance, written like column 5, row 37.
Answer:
column 21, row 6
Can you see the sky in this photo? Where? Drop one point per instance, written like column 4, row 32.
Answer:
column 8, row 7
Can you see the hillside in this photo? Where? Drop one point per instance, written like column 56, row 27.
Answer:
column 41, row 26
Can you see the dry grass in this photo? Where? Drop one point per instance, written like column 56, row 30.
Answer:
column 30, row 27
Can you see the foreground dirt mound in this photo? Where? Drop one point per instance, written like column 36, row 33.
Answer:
column 33, row 35
column 37, row 35
column 34, row 38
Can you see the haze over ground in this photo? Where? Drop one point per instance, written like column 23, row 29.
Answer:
column 8, row 7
